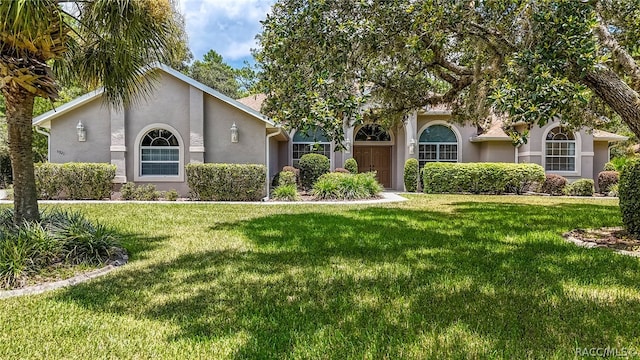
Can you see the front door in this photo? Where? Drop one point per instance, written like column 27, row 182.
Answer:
column 375, row 158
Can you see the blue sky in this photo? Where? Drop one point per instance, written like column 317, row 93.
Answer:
column 226, row 26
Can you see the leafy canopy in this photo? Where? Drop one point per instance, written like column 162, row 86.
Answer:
column 531, row 60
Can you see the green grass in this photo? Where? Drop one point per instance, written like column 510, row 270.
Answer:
column 435, row 277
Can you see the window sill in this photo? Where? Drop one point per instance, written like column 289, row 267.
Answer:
column 159, row 178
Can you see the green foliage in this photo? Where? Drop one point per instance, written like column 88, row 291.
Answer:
column 481, row 178
column 493, row 55
column 287, row 178
column 345, row 186
column 171, row 195
column 312, row 166
column 620, row 162
column 629, row 193
column 215, row 73
column 614, row 190
column 609, row 167
column 226, row 182
column 76, row 181
column 606, row 179
column 286, row 192
column 411, row 173
column 60, row 237
column 145, row 192
column 554, row 184
column 352, row 165
column 580, row 187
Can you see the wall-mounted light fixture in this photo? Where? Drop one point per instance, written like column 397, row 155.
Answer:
column 412, row 146
column 81, row 131
column 347, row 146
column 234, row 133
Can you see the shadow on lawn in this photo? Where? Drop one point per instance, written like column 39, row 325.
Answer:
column 486, row 279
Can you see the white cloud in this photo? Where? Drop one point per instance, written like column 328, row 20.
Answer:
column 227, row 26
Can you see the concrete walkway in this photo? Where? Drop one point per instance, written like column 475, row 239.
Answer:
column 385, row 197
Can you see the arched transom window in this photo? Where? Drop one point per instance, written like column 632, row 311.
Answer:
column 372, row 132
column 560, row 150
column 159, row 154
column 437, row 143
column 311, row 141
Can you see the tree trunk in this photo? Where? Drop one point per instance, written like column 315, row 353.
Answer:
column 19, row 111
column 617, row 94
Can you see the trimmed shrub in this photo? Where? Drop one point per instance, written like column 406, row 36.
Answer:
column 346, row 186
column 147, row 192
column 312, row 166
column 293, row 170
column 609, row 167
column 411, row 168
column 59, row 237
column 76, row 181
column 171, row 195
column 287, row 178
column 226, row 182
column 554, row 184
column 481, row 178
column 352, row 165
column 606, row 179
column 128, row 191
column 342, row 170
column 580, row 187
column 287, row 192
column 629, row 193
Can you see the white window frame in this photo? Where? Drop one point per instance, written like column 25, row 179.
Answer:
column 458, row 142
column 372, row 142
column 577, row 156
column 295, row 161
column 138, row 152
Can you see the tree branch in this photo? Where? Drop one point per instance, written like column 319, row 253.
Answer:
column 621, row 55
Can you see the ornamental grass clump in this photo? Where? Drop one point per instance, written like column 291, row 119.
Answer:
column 341, row 186
column 287, row 192
column 59, row 238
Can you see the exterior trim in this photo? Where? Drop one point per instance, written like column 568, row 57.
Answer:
column 447, row 124
column 578, row 157
column 118, row 148
column 52, row 114
column 136, row 156
column 196, row 149
column 373, row 143
column 531, row 153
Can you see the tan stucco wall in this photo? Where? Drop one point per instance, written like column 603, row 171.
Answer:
column 219, row 117
column 600, row 158
column 65, row 146
column 497, row 151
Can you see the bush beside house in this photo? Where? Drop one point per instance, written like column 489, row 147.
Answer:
column 580, row 187
column 481, row 178
column 226, row 182
column 334, row 186
column 75, row 181
column 352, row 165
column 554, row 184
column 629, row 193
column 312, row 166
column 606, row 179
column 411, row 174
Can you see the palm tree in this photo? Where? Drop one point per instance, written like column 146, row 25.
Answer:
column 97, row 42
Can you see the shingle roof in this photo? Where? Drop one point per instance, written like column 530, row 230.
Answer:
column 253, row 101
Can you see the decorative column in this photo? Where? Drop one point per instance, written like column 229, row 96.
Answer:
column 118, row 146
column 196, row 125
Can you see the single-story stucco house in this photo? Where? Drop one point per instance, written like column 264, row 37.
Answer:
column 187, row 122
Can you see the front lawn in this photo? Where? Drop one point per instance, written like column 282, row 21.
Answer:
column 437, row 276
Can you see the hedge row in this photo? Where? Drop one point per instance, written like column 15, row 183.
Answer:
column 226, row 182
column 76, row 181
column 482, row 178
column 629, row 193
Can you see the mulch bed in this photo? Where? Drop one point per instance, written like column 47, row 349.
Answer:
column 613, row 238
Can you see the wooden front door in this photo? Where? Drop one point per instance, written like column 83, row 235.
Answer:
column 375, row 158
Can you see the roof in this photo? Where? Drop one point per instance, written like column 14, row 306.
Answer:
column 600, row 135
column 254, row 101
column 494, row 133
column 44, row 119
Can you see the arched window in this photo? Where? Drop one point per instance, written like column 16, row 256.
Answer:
column 372, row 132
column 560, row 150
column 437, row 143
column 311, row 141
column 159, row 154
